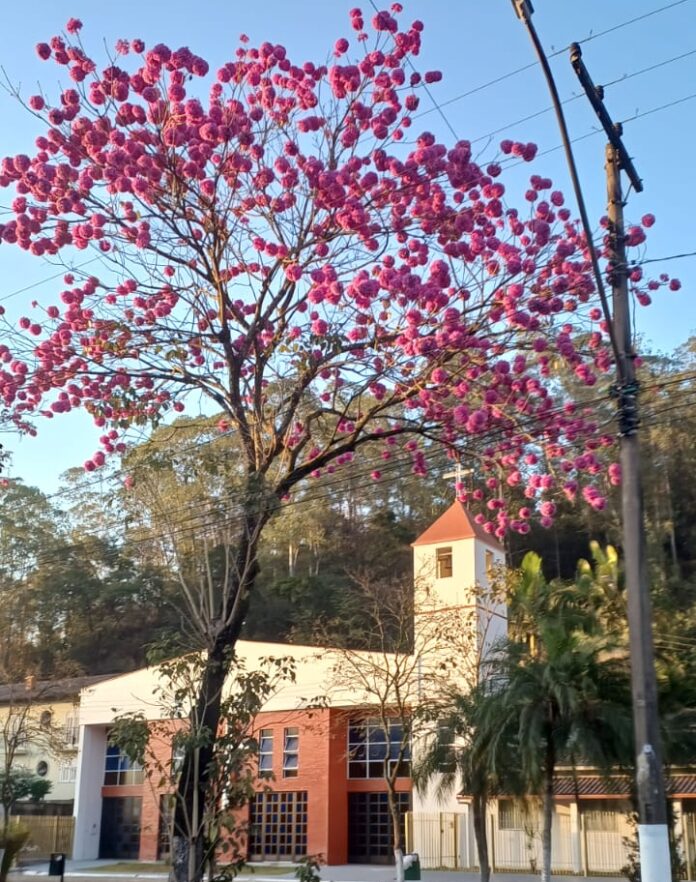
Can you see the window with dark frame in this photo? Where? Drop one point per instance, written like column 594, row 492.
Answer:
column 119, row 769
column 448, row 755
column 71, row 730
column 178, row 757
column 370, row 830
column 514, row 815
column 490, row 562
column 265, row 753
column 443, row 562
column 278, row 826
column 291, row 752
column 369, row 746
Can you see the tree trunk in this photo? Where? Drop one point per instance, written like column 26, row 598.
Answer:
column 399, row 865
column 189, row 845
column 478, row 806
column 549, row 769
column 676, row 566
column 397, row 839
column 189, row 827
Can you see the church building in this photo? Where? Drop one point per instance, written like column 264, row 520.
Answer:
column 320, row 768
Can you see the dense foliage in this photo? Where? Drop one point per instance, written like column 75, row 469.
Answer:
column 331, row 284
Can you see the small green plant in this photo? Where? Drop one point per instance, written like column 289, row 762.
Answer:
column 12, row 840
column 308, row 868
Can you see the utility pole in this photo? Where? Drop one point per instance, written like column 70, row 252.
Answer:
column 653, row 834
column 653, row 831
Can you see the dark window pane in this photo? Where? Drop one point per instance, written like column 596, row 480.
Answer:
column 377, row 736
column 357, row 770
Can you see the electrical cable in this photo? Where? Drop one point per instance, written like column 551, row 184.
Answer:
column 663, row 259
column 48, row 279
column 403, row 479
column 511, row 164
column 307, row 498
column 571, row 98
column 554, row 54
column 579, row 197
column 428, row 91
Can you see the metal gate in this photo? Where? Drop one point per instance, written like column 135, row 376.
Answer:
column 437, row 838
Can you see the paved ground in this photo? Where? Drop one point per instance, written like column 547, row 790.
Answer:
column 346, row 873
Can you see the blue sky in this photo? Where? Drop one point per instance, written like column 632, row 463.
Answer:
column 473, row 44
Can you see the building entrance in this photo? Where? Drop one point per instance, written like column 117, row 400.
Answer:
column 120, row 827
column 370, row 838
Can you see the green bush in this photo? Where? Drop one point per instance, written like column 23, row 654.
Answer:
column 308, row 868
column 12, row 842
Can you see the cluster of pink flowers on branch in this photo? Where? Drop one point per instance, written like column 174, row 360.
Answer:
column 292, row 249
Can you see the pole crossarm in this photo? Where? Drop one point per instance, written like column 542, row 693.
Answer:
column 613, row 130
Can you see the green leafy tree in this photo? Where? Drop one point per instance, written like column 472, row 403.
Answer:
column 210, row 832
column 559, row 691
column 28, row 526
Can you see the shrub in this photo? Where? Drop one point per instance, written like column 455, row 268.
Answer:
column 12, row 841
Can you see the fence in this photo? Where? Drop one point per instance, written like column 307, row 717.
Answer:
column 47, row 834
column 520, row 847
column 584, row 842
column 436, row 837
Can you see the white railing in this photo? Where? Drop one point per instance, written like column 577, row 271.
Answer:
column 580, row 845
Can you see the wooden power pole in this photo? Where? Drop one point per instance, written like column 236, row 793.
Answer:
column 653, row 834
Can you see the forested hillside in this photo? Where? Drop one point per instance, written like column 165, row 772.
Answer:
column 89, row 576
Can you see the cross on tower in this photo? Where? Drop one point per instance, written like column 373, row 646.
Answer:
column 458, row 474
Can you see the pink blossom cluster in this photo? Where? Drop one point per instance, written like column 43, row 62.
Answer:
column 291, row 225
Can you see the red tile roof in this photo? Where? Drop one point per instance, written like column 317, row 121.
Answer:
column 454, row 524
column 677, row 785
column 591, row 785
column 44, row 690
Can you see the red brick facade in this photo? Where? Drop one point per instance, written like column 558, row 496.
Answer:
column 322, row 773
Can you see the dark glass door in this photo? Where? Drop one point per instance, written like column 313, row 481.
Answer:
column 120, row 827
column 370, row 828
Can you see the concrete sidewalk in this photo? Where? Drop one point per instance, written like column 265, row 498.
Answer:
column 343, row 873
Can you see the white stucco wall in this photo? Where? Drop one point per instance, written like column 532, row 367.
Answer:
column 46, row 745
column 471, row 570
column 88, row 801
column 314, row 678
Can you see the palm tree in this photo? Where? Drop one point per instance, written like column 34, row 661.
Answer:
column 456, row 757
column 559, row 690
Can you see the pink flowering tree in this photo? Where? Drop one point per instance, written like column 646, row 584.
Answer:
column 287, row 247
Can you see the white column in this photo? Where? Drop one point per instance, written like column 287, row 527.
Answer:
column 680, row 830
column 576, row 838
column 88, row 799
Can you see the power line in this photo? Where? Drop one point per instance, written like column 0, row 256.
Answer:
column 571, row 98
column 428, row 91
column 346, row 479
column 525, row 67
column 48, row 279
column 124, row 471
column 217, row 522
column 663, row 259
column 308, row 498
column 510, row 163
